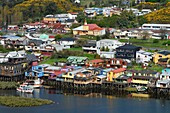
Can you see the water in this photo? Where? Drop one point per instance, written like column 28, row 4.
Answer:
column 68, row 103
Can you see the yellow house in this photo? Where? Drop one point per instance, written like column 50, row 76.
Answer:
column 113, row 74
column 69, row 76
column 141, row 80
column 89, row 29
column 49, row 20
column 161, row 55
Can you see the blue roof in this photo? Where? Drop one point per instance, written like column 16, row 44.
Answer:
column 10, row 36
column 108, row 69
column 166, row 71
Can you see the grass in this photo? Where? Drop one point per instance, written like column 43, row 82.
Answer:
column 147, row 43
column 52, row 61
column 76, row 49
column 14, row 101
column 49, row 61
column 153, row 67
column 8, row 85
column 90, row 56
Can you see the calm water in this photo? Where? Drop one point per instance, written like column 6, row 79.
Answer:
column 88, row 104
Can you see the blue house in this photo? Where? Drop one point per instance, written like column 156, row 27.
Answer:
column 37, row 71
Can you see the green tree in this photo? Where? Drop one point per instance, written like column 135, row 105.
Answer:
column 80, row 42
column 81, row 17
column 107, row 49
column 58, row 37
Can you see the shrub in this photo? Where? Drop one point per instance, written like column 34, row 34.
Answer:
column 168, row 42
column 155, row 41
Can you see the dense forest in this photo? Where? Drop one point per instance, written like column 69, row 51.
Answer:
column 21, row 11
column 18, row 11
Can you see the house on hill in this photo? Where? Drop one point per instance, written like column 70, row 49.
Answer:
column 127, row 51
column 89, row 29
column 161, row 57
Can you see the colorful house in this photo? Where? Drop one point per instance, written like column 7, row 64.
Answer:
column 141, row 80
column 95, row 63
column 124, row 79
column 142, row 77
column 164, row 79
column 116, row 63
column 83, row 77
column 69, row 76
column 89, row 29
column 75, row 60
column 161, row 55
column 38, row 71
column 113, row 74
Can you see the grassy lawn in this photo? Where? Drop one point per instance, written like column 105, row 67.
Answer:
column 90, row 56
column 153, row 67
column 52, row 61
column 76, row 49
column 147, row 43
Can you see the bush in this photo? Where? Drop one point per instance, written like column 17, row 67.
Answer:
column 58, row 37
column 168, row 42
column 155, row 41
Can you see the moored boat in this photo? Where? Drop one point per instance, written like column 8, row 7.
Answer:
column 141, row 88
column 25, row 88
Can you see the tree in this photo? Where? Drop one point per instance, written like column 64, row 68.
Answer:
column 163, row 33
column 80, row 17
column 145, row 35
column 51, row 8
column 107, row 49
column 80, row 42
column 58, row 37
column 102, row 48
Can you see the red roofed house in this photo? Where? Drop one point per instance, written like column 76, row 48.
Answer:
column 113, row 74
column 89, row 29
column 95, row 63
column 59, row 28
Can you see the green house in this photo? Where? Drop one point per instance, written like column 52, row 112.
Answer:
column 76, row 60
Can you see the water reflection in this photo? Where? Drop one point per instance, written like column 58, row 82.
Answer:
column 77, row 102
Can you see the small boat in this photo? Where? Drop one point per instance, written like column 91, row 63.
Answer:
column 25, row 88
column 141, row 88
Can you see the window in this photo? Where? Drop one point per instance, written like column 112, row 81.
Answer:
column 121, row 50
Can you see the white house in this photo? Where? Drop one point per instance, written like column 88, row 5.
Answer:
column 164, row 79
column 119, row 34
column 143, row 56
column 90, row 47
column 13, row 54
column 67, row 41
column 109, row 44
column 156, row 26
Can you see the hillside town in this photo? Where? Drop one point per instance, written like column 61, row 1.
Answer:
column 67, row 53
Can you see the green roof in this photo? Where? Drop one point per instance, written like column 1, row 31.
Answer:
column 44, row 36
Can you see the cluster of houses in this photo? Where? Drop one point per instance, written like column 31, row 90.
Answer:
column 105, row 11
column 39, row 44
column 111, row 67
column 16, row 65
